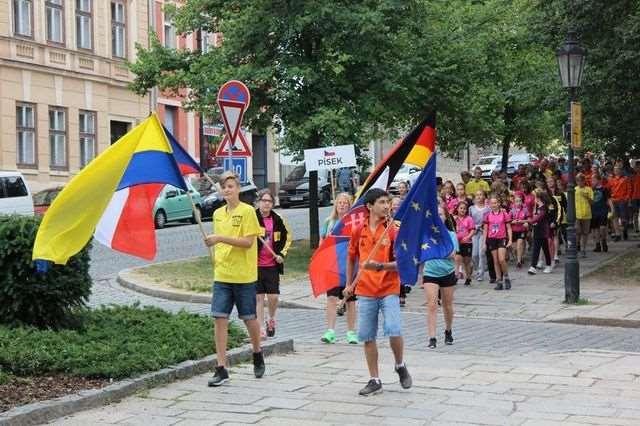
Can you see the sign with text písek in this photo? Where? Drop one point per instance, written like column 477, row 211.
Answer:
column 330, row 157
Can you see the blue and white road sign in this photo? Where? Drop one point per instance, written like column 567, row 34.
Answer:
column 238, row 165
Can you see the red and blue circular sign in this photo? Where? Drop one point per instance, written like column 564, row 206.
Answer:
column 235, row 91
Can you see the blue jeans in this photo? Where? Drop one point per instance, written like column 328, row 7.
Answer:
column 368, row 311
column 225, row 295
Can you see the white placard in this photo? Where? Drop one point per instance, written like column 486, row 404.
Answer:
column 330, row 157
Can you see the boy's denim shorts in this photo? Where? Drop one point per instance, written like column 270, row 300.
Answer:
column 368, row 311
column 225, row 295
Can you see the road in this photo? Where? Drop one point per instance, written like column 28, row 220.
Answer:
column 178, row 241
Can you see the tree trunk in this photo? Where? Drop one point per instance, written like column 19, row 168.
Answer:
column 314, row 223
column 506, row 144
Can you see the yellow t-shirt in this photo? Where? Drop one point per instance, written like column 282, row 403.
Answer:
column 472, row 187
column 583, row 207
column 235, row 264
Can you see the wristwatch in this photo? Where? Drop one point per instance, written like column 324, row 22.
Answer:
column 379, row 267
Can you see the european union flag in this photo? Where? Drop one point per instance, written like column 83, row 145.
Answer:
column 422, row 235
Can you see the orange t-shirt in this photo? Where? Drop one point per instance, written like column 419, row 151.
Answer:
column 374, row 283
column 620, row 188
column 635, row 194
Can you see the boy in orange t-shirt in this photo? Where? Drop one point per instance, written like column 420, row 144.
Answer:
column 377, row 287
column 635, row 195
column 620, row 188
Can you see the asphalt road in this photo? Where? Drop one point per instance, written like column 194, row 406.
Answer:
column 183, row 240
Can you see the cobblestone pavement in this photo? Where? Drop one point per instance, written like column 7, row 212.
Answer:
column 317, row 385
column 496, row 373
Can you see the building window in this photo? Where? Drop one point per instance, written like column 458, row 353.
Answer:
column 23, row 17
column 26, row 134
column 87, row 137
column 58, row 137
column 170, row 117
column 169, row 34
column 118, row 29
column 84, row 22
column 54, row 11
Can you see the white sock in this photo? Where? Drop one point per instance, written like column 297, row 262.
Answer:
column 399, row 365
column 376, row 379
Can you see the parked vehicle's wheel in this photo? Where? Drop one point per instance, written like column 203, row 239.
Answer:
column 160, row 219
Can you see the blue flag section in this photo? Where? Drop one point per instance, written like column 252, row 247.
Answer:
column 422, row 235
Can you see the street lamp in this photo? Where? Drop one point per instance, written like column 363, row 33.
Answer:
column 571, row 60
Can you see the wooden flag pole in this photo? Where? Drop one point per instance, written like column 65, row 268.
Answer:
column 196, row 214
column 373, row 251
column 333, row 185
column 267, row 246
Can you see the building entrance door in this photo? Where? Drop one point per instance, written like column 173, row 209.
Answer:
column 259, row 147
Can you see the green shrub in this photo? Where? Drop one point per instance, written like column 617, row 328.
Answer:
column 114, row 342
column 27, row 297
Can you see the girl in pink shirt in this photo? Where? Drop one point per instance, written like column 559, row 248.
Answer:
column 497, row 238
column 465, row 228
column 519, row 225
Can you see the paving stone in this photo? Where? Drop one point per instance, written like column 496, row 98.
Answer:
column 575, row 381
column 609, row 421
column 220, row 417
column 214, row 406
column 504, row 407
column 215, row 396
column 295, row 414
column 287, row 403
column 538, row 415
column 409, row 413
column 477, row 416
column 165, row 393
column 499, row 377
column 338, row 407
column 146, row 420
column 346, row 419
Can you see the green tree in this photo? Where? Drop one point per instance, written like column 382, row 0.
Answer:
column 610, row 33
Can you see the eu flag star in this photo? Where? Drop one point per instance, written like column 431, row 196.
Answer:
column 404, row 246
column 416, row 261
column 434, row 241
column 435, row 229
column 416, row 206
column 428, row 213
column 425, row 246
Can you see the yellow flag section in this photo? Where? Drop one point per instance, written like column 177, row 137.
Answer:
column 71, row 220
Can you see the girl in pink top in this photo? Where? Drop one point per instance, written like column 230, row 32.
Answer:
column 519, row 225
column 465, row 228
column 497, row 238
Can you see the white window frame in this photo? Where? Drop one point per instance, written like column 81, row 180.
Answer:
column 58, row 138
column 54, row 21
column 84, row 15
column 26, row 126
column 87, row 137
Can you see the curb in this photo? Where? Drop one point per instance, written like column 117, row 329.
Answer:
column 45, row 411
column 183, row 296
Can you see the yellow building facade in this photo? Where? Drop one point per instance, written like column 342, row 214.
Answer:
column 63, row 82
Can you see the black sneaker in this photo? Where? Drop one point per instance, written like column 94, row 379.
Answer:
column 448, row 337
column 432, row 343
column 219, row 378
column 598, row 248
column 625, row 234
column 507, row 284
column 258, row 364
column 605, row 247
column 498, row 286
column 467, row 282
column 405, row 377
column 492, row 281
column 373, row 387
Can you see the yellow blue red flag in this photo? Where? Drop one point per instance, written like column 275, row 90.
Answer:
column 113, row 197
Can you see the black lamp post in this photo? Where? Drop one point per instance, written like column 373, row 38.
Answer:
column 571, row 60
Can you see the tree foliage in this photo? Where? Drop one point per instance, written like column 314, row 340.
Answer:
column 610, row 32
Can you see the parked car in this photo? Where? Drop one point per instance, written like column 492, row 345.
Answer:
column 488, row 164
column 173, row 204
column 520, row 159
column 15, row 196
column 212, row 199
column 295, row 189
column 43, row 199
column 408, row 174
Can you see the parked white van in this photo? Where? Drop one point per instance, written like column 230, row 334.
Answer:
column 15, row 196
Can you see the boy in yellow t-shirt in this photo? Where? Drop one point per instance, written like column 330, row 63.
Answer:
column 235, row 274
column 584, row 199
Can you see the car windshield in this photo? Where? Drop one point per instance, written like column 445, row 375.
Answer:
column 40, row 197
column 299, row 173
column 486, row 160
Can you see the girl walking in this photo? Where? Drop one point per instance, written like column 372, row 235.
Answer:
column 465, row 229
column 497, row 238
column 541, row 231
column 519, row 226
column 478, row 211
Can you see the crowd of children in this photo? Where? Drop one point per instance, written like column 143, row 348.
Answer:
column 503, row 219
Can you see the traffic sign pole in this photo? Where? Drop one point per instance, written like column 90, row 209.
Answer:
column 233, row 101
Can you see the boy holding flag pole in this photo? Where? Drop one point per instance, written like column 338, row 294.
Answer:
column 378, row 287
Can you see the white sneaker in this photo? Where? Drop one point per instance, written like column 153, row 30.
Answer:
column 540, row 264
column 532, row 271
column 547, row 270
column 480, row 277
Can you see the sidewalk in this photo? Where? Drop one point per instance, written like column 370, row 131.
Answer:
column 318, row 385
column 533, row 298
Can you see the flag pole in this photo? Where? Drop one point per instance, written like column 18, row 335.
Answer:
column 373, row 251
column 196, row 214
column 264, row 244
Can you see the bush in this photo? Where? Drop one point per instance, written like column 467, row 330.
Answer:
column 114, row 342
column 26, row 297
